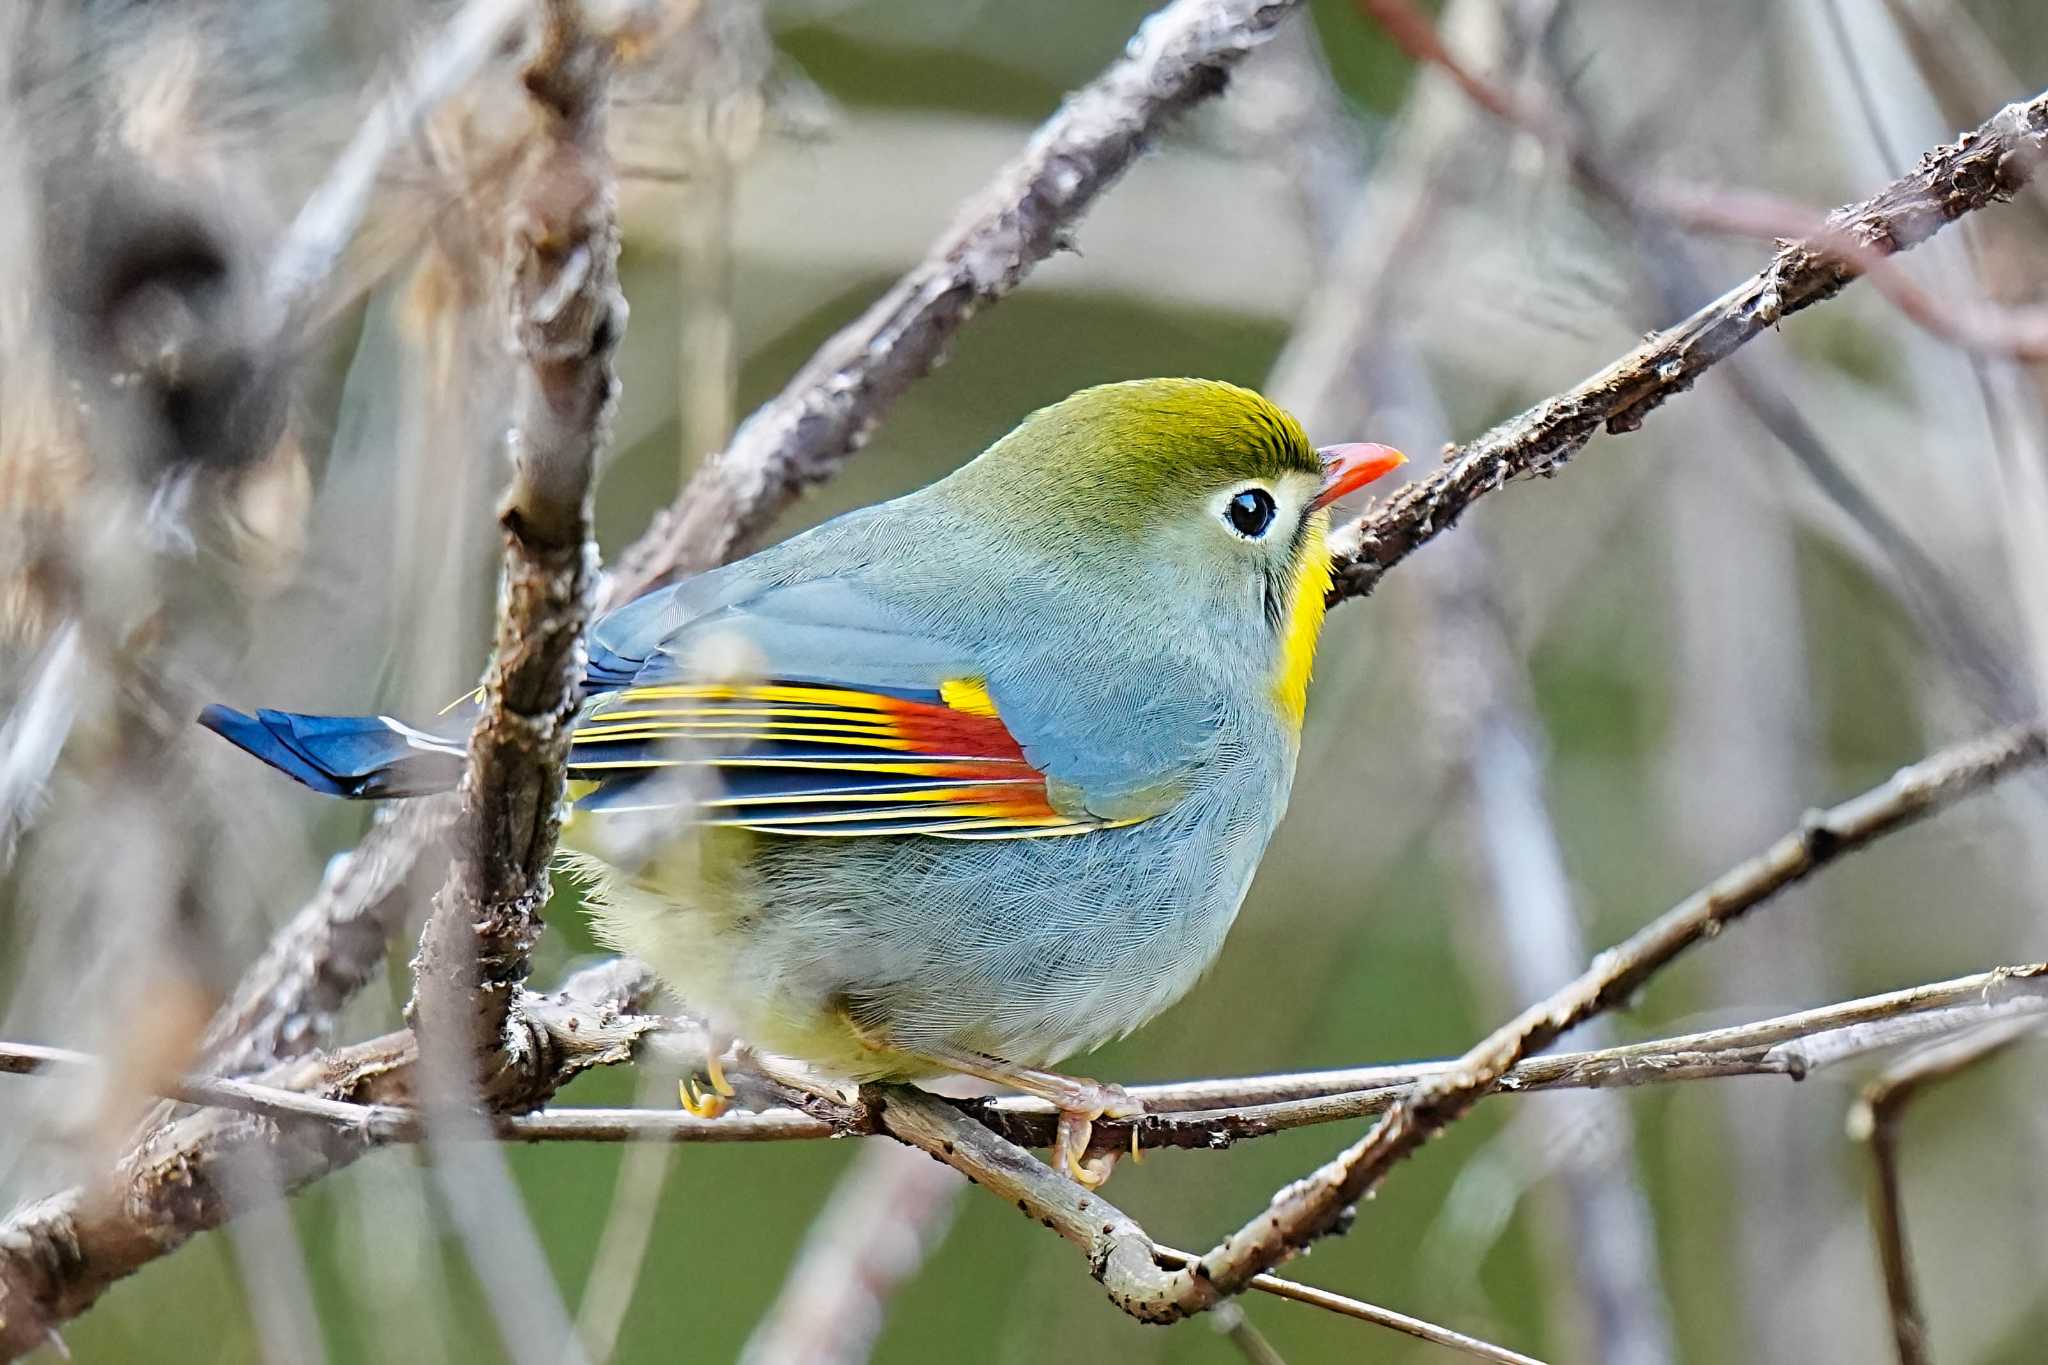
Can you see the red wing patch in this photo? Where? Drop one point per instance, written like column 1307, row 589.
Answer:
column 804, row 758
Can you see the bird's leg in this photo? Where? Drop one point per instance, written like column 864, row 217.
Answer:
column 1080, row 1102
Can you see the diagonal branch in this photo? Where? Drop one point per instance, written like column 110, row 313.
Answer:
column 1984, row 166
column 1181, row 56
column 1119, row 1252
column 1321, row 1201
column 365, row 1095
column 59, row 1254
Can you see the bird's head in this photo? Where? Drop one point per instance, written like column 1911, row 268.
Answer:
column 1202, row 490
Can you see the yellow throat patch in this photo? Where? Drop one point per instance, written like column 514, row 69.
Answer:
column 1303, row 625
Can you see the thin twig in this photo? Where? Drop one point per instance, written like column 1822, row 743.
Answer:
column 320, row 232
column 1874, row 1120
column 1422, row 1329
column 1984, row 166
column 1203, row 1115
column 1181, row 56
column 60, row 1253
column 1318, row 1203
column 1118, row 1250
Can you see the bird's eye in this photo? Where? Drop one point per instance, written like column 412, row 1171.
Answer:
column 1250, row 513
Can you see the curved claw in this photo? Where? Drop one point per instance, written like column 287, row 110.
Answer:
column 702, row 1104
column 1077, row 1126
column 716, row 1073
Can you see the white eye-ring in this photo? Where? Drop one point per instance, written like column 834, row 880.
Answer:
column 1250, row 512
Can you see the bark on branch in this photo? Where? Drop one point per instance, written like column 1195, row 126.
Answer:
column 1181, row 56
column 58, row 1255
column 1322, row 1201
column 567, row 315
column 1984, row 166
column 1202, row 1115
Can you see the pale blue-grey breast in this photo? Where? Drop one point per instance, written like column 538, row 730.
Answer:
column 1027, row 949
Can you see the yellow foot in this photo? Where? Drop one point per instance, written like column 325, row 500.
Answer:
column 1081, row 1103
column 702, row 1104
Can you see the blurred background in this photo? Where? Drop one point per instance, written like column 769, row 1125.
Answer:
column 1824, row 562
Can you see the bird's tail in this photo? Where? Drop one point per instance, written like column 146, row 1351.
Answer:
column 360, row 757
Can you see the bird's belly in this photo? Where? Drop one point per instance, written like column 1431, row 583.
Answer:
column 858, row 955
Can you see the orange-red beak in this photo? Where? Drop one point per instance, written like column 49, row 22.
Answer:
column 1352, row 466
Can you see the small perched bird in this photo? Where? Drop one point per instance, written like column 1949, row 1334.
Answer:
column 968, row 782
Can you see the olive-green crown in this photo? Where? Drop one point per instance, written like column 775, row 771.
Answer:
column 1122, row 450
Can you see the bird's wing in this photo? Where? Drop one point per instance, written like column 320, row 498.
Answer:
column 829, row 715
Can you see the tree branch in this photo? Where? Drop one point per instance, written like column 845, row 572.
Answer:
column 1204, row 1115
column 1320, row 1202
column 59, row 1254
column 1874, row 1120
column 1181, row 56
column 1119, row 1252
column 1984, row 166
column 364, row 1096
column 567, row 316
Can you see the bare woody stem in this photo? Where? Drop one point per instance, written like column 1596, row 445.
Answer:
column 1116, row 1247
column 1984, row 166
column 1320, row 1201
column 59, row 1254
column 1201, row 1115
column 1181, row 56
column 567, row 315
column 1874, row 1120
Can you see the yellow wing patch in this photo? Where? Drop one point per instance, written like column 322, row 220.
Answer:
column 817, row 759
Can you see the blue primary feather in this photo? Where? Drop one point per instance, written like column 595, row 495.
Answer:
column 353, row 756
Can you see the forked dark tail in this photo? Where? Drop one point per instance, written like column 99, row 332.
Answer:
column 363, row 757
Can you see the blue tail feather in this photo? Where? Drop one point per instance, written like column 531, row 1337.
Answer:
column 351, row 756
